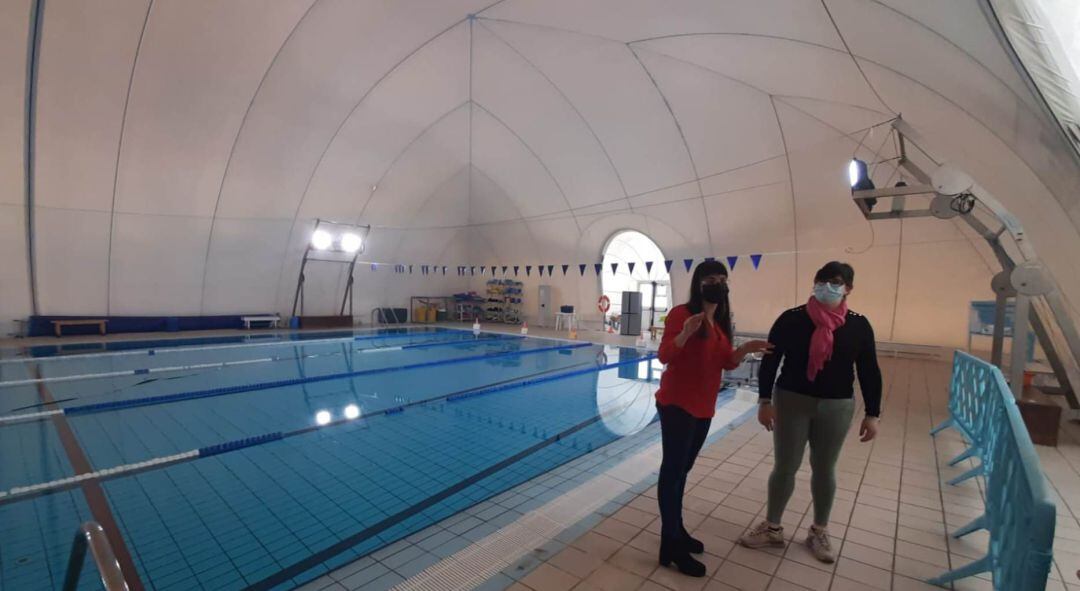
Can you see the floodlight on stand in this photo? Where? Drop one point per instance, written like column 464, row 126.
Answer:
column 321, row 240
column 351, row 242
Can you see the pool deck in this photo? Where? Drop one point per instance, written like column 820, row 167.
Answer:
column 889, row 522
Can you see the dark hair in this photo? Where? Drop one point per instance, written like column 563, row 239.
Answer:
column 836, row 269
column 722, row 316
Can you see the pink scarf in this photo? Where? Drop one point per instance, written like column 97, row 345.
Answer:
column 826, row 320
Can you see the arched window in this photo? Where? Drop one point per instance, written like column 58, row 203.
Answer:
column 654, row 284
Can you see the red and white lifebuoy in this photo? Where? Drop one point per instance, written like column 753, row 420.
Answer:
column 604, row 304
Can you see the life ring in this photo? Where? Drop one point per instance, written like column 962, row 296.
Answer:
column 604, row 304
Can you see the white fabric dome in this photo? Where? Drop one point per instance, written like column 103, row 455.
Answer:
column 184, row 149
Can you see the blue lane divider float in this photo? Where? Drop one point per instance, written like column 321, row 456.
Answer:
column 220, row 448
column 228, row 390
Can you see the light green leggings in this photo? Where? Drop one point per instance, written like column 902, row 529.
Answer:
column 821, row 422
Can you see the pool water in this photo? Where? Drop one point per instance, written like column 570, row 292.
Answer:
column 232, row 464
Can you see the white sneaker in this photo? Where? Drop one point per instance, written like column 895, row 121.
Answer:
column 763, row 535
column 820, row 546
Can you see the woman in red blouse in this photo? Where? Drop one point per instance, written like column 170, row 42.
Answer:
column 696, row 349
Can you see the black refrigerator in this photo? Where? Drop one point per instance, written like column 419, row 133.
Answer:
column 630, row 320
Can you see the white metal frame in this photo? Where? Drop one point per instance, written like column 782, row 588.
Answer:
column 1040, row 305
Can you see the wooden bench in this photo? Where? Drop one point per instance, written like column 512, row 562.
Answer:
column 58, row 325
column 271, row 320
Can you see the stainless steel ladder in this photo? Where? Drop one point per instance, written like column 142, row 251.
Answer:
column 91, row 535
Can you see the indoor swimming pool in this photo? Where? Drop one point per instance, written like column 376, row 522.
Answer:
column 233, row 463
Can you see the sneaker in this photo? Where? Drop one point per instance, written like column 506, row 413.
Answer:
column 763, row 535
column 820, row 546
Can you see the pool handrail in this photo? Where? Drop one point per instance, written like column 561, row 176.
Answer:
column 91, row 535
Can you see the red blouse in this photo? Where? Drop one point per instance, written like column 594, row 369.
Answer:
column 694, row 372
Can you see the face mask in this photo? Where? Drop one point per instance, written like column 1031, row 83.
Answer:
column 829, row 294
column 714, row 293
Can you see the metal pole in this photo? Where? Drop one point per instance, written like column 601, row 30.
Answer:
column 998, row 348
column 1021, row 329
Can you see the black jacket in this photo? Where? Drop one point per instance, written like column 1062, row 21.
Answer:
column 853, row 348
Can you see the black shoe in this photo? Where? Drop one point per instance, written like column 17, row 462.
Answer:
column 693, row 545
column 676, row 551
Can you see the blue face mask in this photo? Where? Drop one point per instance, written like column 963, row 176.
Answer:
column 829, row 294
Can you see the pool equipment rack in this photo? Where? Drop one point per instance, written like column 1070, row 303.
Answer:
column 91, row 535
column 336, row 256
column 1039, row 304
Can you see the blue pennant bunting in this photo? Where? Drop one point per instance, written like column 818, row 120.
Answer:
column 667, row 265
column 731, row 261
column 614, row 268
column 756, row 260
column 482, row 269
column 581, row 267
column 516, row 270
column 631, row 265
column 472, row 270
column 528, row 270
column 504, row 269
column 410, row 269
column 550, row 269
column 688, row 263
column 564, row 269
column 598, row 267
column 540, row 269
column 444, row 270
column 648, row 266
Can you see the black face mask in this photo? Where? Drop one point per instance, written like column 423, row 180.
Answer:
column 714, row 293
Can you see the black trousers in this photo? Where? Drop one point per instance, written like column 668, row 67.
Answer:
column 682, row 436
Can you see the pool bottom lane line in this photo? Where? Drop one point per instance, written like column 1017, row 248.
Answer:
column 21, row 493
column 92, row 491
column 302, row 566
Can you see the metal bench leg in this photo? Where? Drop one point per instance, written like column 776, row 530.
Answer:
column 969, row 452
column 982, row 565
column 980, row 522
column 976, row 471
column 944, row 425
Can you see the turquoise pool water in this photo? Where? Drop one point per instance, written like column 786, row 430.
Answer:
column 232, row 464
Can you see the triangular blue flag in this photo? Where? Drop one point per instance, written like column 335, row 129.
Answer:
column 540, row 268
column 731, row 261
column 598, row 267
column 504, row 269
column 688, row 263
column 472, row 270
column 648, row 266
column 444, row 270
column 581, row 268
column 667, row 265
column 516, row 270
column 564, row 269
column 528, row 270
column 614, row 268
column 410, row 269
column 550, row 269
column 631, row 265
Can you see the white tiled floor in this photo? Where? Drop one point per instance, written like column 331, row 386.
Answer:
column 889, row 522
